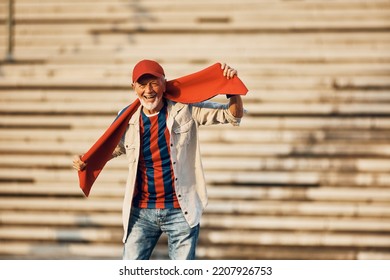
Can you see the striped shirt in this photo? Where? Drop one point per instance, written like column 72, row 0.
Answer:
column 155, row 186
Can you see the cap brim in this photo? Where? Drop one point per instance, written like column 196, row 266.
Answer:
column 158, row 75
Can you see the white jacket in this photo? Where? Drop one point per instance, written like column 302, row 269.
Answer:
column 182, row 122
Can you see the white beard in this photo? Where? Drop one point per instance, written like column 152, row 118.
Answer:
column 150, row 106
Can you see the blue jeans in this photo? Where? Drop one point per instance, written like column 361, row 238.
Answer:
column 146, row 227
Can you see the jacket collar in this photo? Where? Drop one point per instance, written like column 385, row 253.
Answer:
column 135, row 117
column 174, row 108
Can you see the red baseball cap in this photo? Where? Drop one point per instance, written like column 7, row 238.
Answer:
column 147, row 67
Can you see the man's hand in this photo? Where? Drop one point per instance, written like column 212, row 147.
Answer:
column 235, row 102
column 228, row 72
column 78, row 164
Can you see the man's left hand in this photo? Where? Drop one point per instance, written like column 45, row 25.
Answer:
column 228, row 71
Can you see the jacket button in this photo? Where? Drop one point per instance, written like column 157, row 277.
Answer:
column 185, row 213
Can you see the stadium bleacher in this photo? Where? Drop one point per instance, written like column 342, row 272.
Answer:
column 305, row 176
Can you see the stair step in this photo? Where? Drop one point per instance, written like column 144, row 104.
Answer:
column 222, row 164
column 210, row 221
column 301, row 123
column 207, row 135
column 223, row 207
column 250, row 193
column 61, row 234
column 296, row 239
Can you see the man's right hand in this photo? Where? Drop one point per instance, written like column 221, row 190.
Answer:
column 78, row 164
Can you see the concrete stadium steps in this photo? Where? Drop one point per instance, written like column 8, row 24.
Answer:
column 288, row 253
column 252, row 19
column 335, row 196
column 211, row 135
column 327, row 194
column 122, row 83
column 49, row 237
column 223, row 163
column 320, row 4
column 153, row 5
column 95, row 49
column 218, row 25
column 266, row 56
column 112, row 251
column 151, row 9
column 305, row 176
column 327, row 123
column 220, row 149
column 38, row 250
column 299, row 16
column 256, row 235
column 188, row 55
column 71, row 38
column 249, row 222
column 283, row 177
column 280, row 85
column 261, row 109
column 211, row 22
column 268, row 70
column 250, row 193
column 365, row 210
column 365, row 67
column 291, row 239
column 200, row 13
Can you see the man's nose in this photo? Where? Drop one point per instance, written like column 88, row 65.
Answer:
column 148, row 88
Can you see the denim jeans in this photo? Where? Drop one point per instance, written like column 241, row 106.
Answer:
column 146, row 227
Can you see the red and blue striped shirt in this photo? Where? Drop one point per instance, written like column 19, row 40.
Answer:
column 155, row 186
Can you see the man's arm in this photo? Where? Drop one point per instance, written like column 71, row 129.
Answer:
column 206, row 113
column 80, row 165
column 235, row 103
column 236, row 106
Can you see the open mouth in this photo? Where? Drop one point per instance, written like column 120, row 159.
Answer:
column 150, row 97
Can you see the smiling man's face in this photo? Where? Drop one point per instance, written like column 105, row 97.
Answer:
column 150, row 90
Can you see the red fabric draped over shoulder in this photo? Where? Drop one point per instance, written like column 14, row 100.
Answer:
column 193, row 88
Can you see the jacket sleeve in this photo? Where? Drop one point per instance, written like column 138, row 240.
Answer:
column 208, row 113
